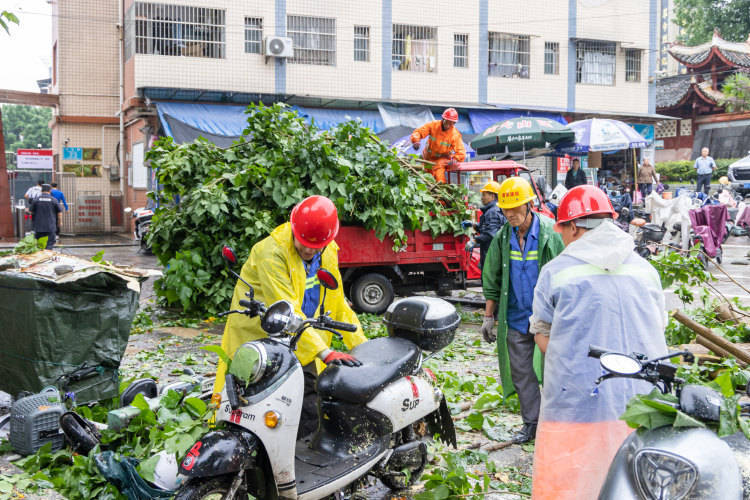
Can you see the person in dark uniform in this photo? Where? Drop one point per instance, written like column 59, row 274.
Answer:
column 44, row 210
column 575, row 176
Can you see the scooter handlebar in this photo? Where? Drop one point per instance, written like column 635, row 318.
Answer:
column 339, row 325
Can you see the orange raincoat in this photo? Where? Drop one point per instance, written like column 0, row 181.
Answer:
column 442, row 146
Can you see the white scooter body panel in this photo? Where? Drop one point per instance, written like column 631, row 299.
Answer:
column 407, row 400
column 280, row 442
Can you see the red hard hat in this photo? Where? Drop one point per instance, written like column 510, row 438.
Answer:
column 315, row 221
column 450, row 114
column 583, row 201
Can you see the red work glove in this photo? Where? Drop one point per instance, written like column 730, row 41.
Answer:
column 341, row 358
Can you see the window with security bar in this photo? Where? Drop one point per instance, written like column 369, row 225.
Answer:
column 314, row 39
column 414, row 48
column 633, row 65
column 509, row 55
column 362, row 43
column 460, row 50
column 254, row 35
column 551, row 58
column 179, row 30
column 595, row 62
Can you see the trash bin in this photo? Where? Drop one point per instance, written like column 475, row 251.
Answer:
column 69, row 330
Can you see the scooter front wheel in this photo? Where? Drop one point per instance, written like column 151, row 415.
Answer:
column 214, row 488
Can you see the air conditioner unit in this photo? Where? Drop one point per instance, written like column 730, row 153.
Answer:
column 278, row 46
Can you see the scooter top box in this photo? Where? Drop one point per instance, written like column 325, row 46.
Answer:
column 429, row 322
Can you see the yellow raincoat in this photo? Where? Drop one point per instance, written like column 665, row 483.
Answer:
column 276, row 272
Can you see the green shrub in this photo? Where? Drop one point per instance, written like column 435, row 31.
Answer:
column 683, row 171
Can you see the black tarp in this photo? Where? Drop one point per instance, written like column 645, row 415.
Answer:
column 723, row 142
column 52, row 330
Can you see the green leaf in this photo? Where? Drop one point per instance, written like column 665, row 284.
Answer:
column 685, row 420
column 171, row 399
column 639, row 414
column 146, row 468
column 218, row 351
column 98, row 257
column 139, row 401
column 724, row 384
column 195, row 406
column 488, row 400
column 244, row 363
column 475, row 420
column 440, row 492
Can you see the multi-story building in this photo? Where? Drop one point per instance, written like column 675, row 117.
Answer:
column 669, row 33
column 186, row 62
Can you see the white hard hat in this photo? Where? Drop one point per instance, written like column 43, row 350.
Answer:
column 166, row 473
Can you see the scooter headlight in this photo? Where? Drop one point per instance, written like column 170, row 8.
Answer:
column 253, row 357
column 664, row 476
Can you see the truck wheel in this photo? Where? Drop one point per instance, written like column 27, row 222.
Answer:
column 372, row 293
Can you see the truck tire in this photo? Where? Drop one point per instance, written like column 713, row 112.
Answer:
column 372, row 293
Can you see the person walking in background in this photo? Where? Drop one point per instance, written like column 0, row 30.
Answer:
column 44, row 210
column 60, row 197
column 646, row 177
column 575, row 176
column 704, row 166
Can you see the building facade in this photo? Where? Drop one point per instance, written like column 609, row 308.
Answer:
column 574, row 58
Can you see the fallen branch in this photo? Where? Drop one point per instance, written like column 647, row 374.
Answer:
column 712, row 337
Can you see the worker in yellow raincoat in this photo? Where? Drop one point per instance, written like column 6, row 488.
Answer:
column 445, row 146
column 283, row 266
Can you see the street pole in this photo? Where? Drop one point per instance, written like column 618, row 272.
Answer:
column 6, row 218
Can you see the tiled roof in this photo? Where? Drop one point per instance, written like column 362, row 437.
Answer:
column 670, row 91
column 736, row 52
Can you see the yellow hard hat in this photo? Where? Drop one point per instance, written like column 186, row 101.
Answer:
column 492, row 187
column 724, row 180
column 514, row 192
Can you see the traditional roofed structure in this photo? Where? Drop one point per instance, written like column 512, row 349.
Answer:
column 696, row 99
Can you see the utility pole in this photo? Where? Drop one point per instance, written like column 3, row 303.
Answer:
column 6, row 218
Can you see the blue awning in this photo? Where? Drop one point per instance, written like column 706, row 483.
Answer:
column 326, row 119
column 215, row 119
column 483, row 118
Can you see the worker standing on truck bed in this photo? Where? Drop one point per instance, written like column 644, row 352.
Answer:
column 445, row 146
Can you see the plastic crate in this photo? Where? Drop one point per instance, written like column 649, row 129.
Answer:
column 35, row 421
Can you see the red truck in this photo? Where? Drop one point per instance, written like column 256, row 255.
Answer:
column 373, row 273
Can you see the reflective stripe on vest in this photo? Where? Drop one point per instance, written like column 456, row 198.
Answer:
column 311, row 282
column 531, row 255
column 584, row 270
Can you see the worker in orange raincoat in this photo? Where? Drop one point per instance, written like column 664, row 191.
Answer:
column 445, row 146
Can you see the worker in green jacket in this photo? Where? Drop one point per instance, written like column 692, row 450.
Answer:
column 516, row 254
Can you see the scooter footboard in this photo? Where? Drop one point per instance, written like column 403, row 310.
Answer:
column 220, row 452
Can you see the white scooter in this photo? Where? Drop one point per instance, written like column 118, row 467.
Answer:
column 371, row 416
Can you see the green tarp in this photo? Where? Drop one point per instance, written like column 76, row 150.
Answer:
column 56, row 331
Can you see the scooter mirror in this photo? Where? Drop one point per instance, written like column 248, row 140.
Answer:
column 229, row 255
column 620, row 364
column 277, row 317
column 327, row 279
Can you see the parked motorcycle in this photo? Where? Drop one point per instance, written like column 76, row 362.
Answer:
column 371, row 416
column 142, row 224
column 675, row 462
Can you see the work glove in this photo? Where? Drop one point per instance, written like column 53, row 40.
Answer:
column 470, row 245
column 342, row 358
column 415, row 145
column 466, row 224
column 489, row 332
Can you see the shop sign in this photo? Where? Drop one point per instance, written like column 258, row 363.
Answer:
column 34, row 159
column 563, row 165
column 75, row 154
column 90, row 211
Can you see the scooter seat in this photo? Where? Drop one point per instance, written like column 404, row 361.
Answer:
column 384, row 360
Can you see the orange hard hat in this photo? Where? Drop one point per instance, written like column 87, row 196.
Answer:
column 583, row 201
column 450, row 114
column 315, row 221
